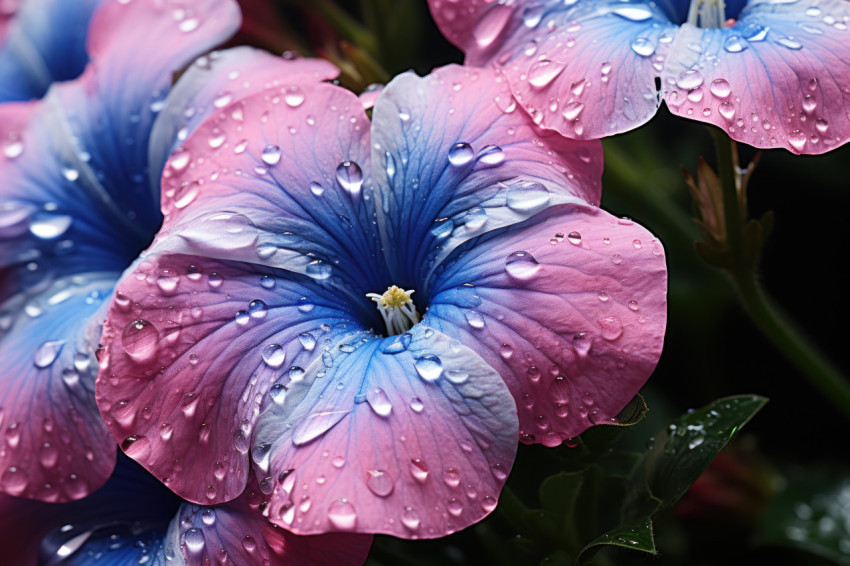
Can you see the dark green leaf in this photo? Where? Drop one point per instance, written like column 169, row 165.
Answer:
column 636, row 536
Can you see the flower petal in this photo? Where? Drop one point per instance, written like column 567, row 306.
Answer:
column 587, row 70
column 777, row 78
column 110, row 113
column 239, row 531
column 279, row 179
column 194, row 350
column 215, row 80
column 55, row 445
column 453, row 159
column 411, row 435
column 569, row 308
column 46, row 43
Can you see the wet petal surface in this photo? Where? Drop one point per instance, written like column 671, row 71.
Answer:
column 569, row 308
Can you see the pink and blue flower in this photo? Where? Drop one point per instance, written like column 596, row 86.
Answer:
column 79, row 187
column 770, row 73
column 364, row 317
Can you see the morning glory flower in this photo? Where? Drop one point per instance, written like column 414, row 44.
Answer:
column 41, row 42
column 770, row 73
column 133, row 519
column 77, row 203
column 364, row 317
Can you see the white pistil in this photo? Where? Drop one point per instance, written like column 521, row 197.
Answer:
column 707, row 13
column 397, row 309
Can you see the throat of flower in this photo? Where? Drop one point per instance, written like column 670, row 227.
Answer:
column 397, row 309
column 707, row 13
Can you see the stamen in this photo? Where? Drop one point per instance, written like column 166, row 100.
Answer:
column 397, row 309
column 707, row 13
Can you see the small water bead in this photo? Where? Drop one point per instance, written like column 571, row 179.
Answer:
column 633, row 305
column 416, row 405
column 194, row 540
column 727, row 110
column 379, row 401
column 242, row 317
column 457, row 376
column 12, row 149
column 689, row 79
column 294, row 97
column 258, row 309
column 14, row 481
column 488, row 503
column 410, row 518
column 574, row 238
column 527, row 197
column 271, row 155
column 48, row 226
column 616, row 259
column 797, row 139
column 379, row 482
column 274, row 355
column 350, row 177
column 318, row 269
column 47, row 353
column 474, row 319
column 451, row 477
column 643, row 46
column 461, row 153
column 720, row 88
column 342, row 515
column 454, row 507
column 612, row 328
column 317, row 189
column 419, row 470
column 429, row 367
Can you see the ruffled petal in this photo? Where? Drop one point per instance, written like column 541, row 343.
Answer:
column 452, row 159
column 46, row 43
column 279, row 178
column 411, row 435
column 110, row 111
column 194, row 350
column 215, row 80
column 569, row 308
column 55, row 447
column 238, row 531
column 777, row 78
column 587, row 70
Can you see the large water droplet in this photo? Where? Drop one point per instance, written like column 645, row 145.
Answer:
column 350, row 177
column 48, row 226
column 643, row 46
column 271, row 155
column 379, row 482
column 720, row 88
column 635, row 13
column 410, row 518
column 491, row 24
column 140, row 339
column 419, row 470
column 274, row 355
column 451, row 477
column 429, row 367
column 491, row 155
column 521, row 265
column 219, row 231
column 342, row 515
column 379, row 401
column 612, row 328
column 527, row 197
column 315, row 425
column 689, row 79
column 460, row 153
column 47, row 353
column 544, row 72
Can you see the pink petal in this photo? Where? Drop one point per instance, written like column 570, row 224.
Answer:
column 215, row 80
column 194, row 349
column 569, row 308
column 789, row 89
column 412, row 436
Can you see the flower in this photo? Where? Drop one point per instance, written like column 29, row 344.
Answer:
column 134, row 519
column 77, row 206
column 41, row 42
column 770, row 74
column 247, row 329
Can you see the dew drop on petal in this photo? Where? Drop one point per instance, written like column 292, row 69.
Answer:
column 379, row 401
column 491, row 155
column 47, row 353
column 416, row 405
column 460, row 153
column 451, row 476
column 419, row 470
column 140, row 340
column 429, row 367
column 521, row 265
column 274, row 355
column 350, row 177
column 271, row 155
column 315, row 425
column 379, row 482
column 410, row 518
column 612, row 328
column 720, row 88
column 342, row 515
column 543, row 72
column 491, row 24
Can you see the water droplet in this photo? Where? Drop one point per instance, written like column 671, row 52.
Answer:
column 416, row 405
column 521, row 265
column 488, row 503
column 350, row 177
column 689, row 79
column 379, row 401
column 491, row 24
column 797, row 139
column 271, row 155
column 316, row 189
column 379, row 482
column 140, row 340
column 499, row 472
column 47, row 353
column 733, row 44
column 429, row 367
column 274, row 355
column 643, row 46
column 315, row 425
column 410, row 518
column 457, row 376
column 452, row 477
column 48, row 226
column 582, row 343
column 720, row 88
column 294, row 97
column 506, row 351
column 419, row 470
column 342, row 515
column 636, row 13
column 612, row 328
column 396, row 344
column 454, row 507
column 474, row 319
column 574, row 238
column 543, row 72
column 696, row 442
column 307, row 340
column 491, row 155
column 14, row 481
column 318, row 269
column 461, row 153
column 527, row 197
column 194, row 540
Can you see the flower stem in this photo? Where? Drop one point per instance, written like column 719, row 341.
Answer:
column 789, row 339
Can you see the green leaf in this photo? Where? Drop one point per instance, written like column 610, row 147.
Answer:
column 685, row 449
column 635, row 536
column 813, row 514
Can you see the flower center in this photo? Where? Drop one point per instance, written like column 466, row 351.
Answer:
column 397, row 309
column 707, row 13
